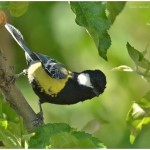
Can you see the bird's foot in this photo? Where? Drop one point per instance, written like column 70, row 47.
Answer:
column 16, row 76
column 39, row 120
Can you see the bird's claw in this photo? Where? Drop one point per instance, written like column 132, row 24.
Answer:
column 16, row 76
column 39, row 120
column 24, row 72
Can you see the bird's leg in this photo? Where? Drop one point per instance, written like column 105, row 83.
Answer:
column 41, row 111
column 16, row 76
column 24, row 72
column 39, row 120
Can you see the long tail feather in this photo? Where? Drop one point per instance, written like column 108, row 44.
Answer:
column 16, row 34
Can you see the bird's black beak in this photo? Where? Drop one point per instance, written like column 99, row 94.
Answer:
column 96, row 92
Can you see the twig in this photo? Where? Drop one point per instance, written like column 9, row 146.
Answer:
column 13, row 95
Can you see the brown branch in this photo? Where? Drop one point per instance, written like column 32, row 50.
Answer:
column 13, row 95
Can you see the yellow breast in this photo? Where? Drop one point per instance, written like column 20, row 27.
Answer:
column 49, row 85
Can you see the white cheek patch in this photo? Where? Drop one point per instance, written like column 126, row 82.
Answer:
column 84, row 79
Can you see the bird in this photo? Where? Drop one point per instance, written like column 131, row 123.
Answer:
column 53, row 82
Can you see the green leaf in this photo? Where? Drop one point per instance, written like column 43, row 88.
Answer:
column 145, row 101
column 92, row 16
column 134, row 54
column 3, row 123
column 10, row 113
column 64, row 140
column 8, row 139
column 11, row 130
column 17, row 9
column 41, row 139
column 137, row 130
column 61, row 135
column 73, row 140
column 139, row 115
column 87, row 139
column 138, row 57
column 114, row 8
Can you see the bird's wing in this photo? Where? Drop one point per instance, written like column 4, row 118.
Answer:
column 52, row 67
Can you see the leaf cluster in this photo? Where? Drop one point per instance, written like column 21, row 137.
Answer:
column 96, row 18
column 61, row 135
column 139, row 113
column 13, row 134
column 11, row 127
column 138, row 116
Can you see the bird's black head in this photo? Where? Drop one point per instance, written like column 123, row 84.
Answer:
column 94, row 79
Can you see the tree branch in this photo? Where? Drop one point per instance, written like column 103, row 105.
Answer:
column 13, row 95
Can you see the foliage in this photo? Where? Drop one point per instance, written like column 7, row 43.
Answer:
column 61, row 135
column 93, row 17
column 114, row 9
column 16, row 9
column 56, row 135
column 138, row 116
column 139, row 112
column 52, row 29
column 142, row 64
column 11, row 128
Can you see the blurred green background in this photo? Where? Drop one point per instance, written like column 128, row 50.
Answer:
column 50, row 28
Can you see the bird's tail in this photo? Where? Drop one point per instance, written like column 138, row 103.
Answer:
column 16, row 34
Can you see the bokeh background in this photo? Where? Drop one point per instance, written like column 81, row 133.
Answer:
column 50, row 28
